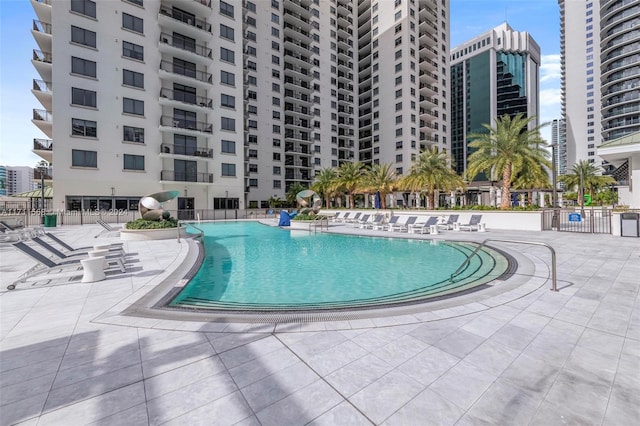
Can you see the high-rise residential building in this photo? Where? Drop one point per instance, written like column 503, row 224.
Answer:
column 232, row 102
column 580, row 87
column 559, row 147
column 493, row 74
column 17, row 180
column 620, row 67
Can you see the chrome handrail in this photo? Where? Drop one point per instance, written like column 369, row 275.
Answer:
column 554, row 282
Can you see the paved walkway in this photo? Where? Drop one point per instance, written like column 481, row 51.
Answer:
column 67, row 356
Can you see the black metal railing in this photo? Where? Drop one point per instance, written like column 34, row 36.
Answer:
column 186, row 18
column 41, row 86
column 43, row 144
column 182, row 123
column 174, row 176
column 186, row 45
column 41, row 27
column 194, row 151
column 41, row 56
column 42, row 115
column 187, row 98
column 186, row 71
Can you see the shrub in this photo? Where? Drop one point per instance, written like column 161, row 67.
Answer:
column 305, row 216
column 152, row 224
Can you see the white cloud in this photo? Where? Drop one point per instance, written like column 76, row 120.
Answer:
column 550, row 68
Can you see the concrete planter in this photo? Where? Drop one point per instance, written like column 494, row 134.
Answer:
column 151, row 234
column 300, row 224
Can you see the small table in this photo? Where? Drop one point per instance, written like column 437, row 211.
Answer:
column 433, row 229
column 482, row 227
column 102, row 253
column 93, row 268
column 456, row 226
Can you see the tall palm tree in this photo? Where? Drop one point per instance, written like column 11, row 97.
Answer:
column 381, row 178
column 326, row 184
column 350, row 177
column 530, row 177
column 585, row 175
column 505, row 148
column 430, row 172
column 293, row 191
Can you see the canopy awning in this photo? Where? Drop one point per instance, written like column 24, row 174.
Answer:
column 36, row 193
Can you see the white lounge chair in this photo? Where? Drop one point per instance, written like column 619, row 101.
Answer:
column 474, row 222
column 424, row 227
column 403, row 226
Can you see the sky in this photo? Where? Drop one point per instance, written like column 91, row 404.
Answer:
column 469, row 18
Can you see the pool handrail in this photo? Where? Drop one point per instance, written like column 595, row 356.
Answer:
column 554, row 282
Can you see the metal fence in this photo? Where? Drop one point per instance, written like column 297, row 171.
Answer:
column 589, row 220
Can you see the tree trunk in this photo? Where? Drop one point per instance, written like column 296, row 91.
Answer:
column 505, row 202
column 327, row 200
column 432, row 200
column 351, row 206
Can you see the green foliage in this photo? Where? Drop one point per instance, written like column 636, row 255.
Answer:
column 152, row 224
column 305, row 216
column 166, row 215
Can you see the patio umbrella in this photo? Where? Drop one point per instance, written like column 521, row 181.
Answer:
column 378, row 202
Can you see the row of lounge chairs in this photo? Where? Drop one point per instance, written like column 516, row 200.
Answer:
column 407, row 223
column 56, row 259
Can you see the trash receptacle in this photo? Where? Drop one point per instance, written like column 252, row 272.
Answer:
column 50, row 220
column 630, row 224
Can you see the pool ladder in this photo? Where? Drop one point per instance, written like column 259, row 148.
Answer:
column 554, row 282
column 319, row 221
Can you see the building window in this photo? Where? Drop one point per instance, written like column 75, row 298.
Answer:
column 252, row 124
column 226, row 9
column 252, row 109
column 253, row 182
column 276, row 142
column 251, row 50
column 80, row 158
column 399, row 132
column 138, row 2
column 227, row 101
column 83, row 67
column 132, row 106
column 226, row 32
column 253, row 138
column 132, row 78
column 228, row 124
column 251, row 94
column 228, row 169
column 83, row 97
column 84, row 128
column 132, row 23
column 276, row 156
column 253, row 168
column 275, row 128
column 227, row 55
column 251, row 21
column 251, row 7
column 133, row 162
column 133, row 134
column 228, row 147
column 84, row 7
column 131, row 50
column 253, row 153
column 277, row 184
column 82, row 36
column 252, row 80
column 227, row 78
column 276, row 170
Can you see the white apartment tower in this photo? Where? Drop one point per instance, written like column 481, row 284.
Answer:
column 232, row 102
column 493, row 74
column 560, row 144
column 580, row 51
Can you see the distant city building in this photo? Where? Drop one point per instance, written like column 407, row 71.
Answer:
column 558, row 140
column 17, row 179
column 3, row 180
column 232, row 102
column 493, row 74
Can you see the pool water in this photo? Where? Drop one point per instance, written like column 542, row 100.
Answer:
column 250, row 266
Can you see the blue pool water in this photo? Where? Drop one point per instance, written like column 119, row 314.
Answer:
column 249, row 266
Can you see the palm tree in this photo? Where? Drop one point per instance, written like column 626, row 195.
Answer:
column 350, row 177
column 585, row 175
column 505, row 148
column 326, row 184
column 430, row 172
column 530, row 177
column 380, row 178
column 293, row 191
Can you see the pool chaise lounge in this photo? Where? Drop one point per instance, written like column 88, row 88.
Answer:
column 474, row 222
column 451, row 220
column 423, row 227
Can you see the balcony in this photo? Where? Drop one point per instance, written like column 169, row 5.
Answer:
column 39, row 175
column 194, row 151
column 175, row 19
column 42, row 61
column 168, row 96
column 185, row 74
column 44, row 121
column 174, row 176
column 169, row 43
column 42, row 9
column 169, row 122
column 42, row 91
column 42, row 34
column 43, row 148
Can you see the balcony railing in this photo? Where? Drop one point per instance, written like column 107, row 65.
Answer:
column 39, row 174
column 204, row 2
column 187, row 72
column 182, row 123
column 44, row 2
column 41, row 56
column 172, row 175
column 187, row 98
column 43, row 144
column 193, row 151
column 186, row 18
column 186, row 45
column 42, row 115
column 41, row 27
column 41, row 86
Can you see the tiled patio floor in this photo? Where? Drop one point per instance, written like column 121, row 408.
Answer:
column 67, row 356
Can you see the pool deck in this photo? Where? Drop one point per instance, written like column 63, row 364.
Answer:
column 69, row 357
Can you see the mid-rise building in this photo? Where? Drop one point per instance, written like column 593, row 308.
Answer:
column 17, row 180
column 580, row 84
column 232, row 102
column 493, row 74
column 559, row 145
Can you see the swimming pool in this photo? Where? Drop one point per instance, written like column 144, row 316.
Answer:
column 254, row 267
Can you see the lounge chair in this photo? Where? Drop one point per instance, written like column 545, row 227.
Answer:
column 423, row 228
column 354, row 218
column 375, row 221
column 385, row 226
column 361, row 221
column 474, row 222
column 336, row 217
column 71, row 256
column 6, row 226
column 344, row 218
column 105, row 225
column 404, row 226
column 63, row 244
column 49, row 269
column 453, row 218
